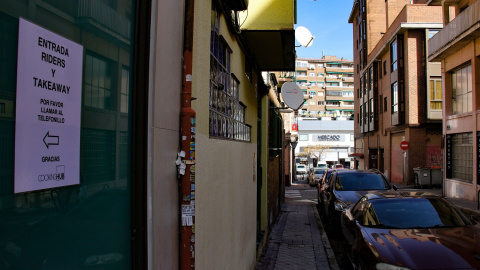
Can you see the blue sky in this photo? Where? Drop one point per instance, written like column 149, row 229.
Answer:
column 327, row 20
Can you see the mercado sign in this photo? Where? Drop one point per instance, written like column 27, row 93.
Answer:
column 328, row 138
column 48, row 109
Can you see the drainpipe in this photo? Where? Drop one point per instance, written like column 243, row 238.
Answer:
column 187, row 144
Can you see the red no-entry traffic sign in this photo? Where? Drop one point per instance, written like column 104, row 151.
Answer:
column 404, row 145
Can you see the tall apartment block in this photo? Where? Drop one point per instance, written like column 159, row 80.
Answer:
column 398, row 93
column 457, row 48
column 327, row 85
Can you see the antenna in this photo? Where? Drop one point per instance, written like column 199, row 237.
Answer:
column 303, row 36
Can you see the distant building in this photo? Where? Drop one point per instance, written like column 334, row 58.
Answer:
column 456, row 47
column 397, row 91
column 325, row 141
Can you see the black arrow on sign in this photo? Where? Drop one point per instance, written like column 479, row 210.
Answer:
column 50, row 140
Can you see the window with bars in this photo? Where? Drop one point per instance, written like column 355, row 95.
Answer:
column 462, row 156
column 227, row 113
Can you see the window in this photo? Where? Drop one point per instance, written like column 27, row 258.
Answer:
column 321, row 103
column 320, row 65
column 125, row 90
column 435, row 94
column 333, row 83
column 347, row 94
column 385, row 67
column 385, row 103
column 227, row 113
column 321, row 74
column 432, row 33
column 98, row 83
column 312, row 74
column 394, row 98
column 371, row 108
column 312, row 66
column 462, row 161
column 320, row 94
column 348, row 103
column 393, row 55
column 303, row 137
column 333, row 103
column 320, row 83
column 312, row 93
column 313, row 83
column 312, row 102
column 302, row 74
column 462, row 90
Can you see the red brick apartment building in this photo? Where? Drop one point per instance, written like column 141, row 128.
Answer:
column 398, row 96
column 457, row 48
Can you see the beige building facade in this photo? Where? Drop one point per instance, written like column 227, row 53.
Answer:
column 457, row 48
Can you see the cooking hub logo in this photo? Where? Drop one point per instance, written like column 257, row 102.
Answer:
column 57, row 176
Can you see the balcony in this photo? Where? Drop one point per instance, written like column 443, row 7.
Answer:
column 268, row 29
column 338, row 70
column 343, row 88
column 97, row 16
column 455, row 35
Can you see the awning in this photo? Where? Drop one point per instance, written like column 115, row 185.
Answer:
column 358, row 155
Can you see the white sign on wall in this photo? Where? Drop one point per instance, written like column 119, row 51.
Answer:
column 48, row 109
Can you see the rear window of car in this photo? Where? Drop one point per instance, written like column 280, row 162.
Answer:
column 360, row 181
column 417, row 213
column 319, row 171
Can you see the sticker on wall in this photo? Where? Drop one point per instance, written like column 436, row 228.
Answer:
column 192, row 195
column 192, row 155
column 192, row 187
column 192, row 121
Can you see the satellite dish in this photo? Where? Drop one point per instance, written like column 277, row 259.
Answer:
column 292, row 95
column 303, row 36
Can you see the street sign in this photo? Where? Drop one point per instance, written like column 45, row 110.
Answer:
column 48, row 109
column 404, row 145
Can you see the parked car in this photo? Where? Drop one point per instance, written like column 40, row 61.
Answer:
column 315, row 175
column 301, row 169
column 345, row 187
column 409, row 231
column 338, row 166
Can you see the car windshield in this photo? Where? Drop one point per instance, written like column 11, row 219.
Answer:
column 411, row 213
column 360, row 181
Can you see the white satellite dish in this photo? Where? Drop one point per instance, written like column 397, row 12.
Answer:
column 303, row 36
column 292, row 95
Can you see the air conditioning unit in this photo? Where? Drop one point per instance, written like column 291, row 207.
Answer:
column 237, row 5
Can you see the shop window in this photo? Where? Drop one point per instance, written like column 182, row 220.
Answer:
column 462, row 156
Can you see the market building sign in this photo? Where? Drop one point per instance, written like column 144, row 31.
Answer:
column 48, row 109
column 328, row 138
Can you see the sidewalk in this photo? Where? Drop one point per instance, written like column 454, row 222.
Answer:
column 297, row 239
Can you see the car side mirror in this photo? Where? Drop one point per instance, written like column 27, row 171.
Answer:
column 395, row 187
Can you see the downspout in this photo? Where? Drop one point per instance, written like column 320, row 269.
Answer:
column 187, row 144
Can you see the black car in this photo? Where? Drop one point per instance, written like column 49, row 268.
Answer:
column 344, row 187
column 409, row 230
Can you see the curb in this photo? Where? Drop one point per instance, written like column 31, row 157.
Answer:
column 332, row 261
